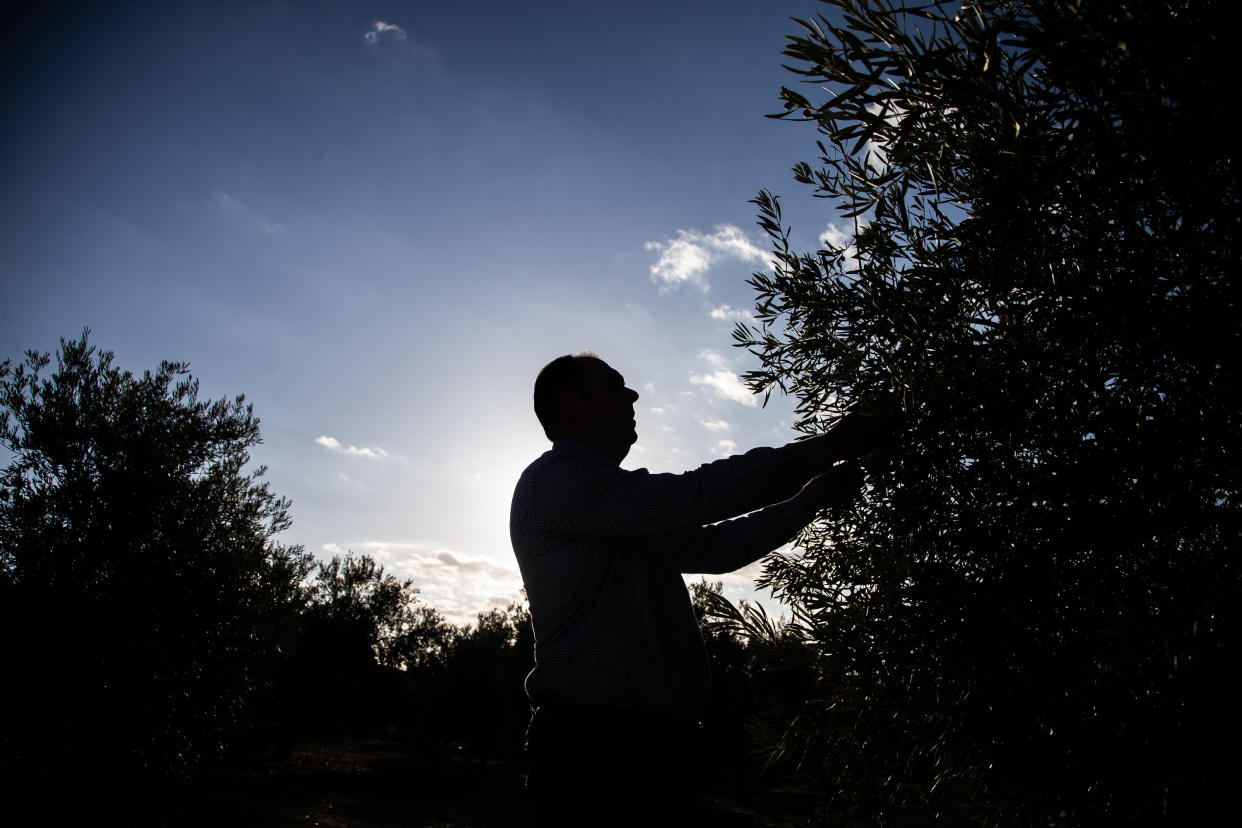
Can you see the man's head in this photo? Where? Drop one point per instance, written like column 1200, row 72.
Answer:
column 581, row 398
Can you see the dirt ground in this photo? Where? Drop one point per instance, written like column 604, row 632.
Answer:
column 377, row 784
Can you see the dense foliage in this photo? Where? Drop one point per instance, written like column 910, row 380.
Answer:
column 143, row 595
column 1030, row 617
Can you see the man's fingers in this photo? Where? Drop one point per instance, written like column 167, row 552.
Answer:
column 840, row 484
column 868, row 426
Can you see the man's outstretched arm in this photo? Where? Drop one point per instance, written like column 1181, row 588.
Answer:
column 585, row 495
column 724, row 547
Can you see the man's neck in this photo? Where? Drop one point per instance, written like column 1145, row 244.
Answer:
column 573, row 441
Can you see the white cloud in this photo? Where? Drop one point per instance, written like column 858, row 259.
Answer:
column 687, row 258
column 333, row 444
column 381, row 29
column 877, row 150
column 726, row 448
column 716, row 425
column 732, row 314
column 657, row 410
column 837, row 238
column 726, row 385
column 723, row 382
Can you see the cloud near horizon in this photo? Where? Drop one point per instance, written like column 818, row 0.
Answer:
column 456, row 585
column 687, row 258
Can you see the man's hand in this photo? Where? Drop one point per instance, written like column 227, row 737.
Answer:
column 835, row 487
column 866, row 428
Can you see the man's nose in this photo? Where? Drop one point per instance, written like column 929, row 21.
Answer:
column 633, row 395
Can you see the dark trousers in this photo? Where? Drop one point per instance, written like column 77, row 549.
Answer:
column 604, row 766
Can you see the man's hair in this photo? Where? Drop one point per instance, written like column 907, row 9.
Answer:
column 562, row 372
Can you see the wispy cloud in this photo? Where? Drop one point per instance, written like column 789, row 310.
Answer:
column 334, row 445
column 716, row 425
column 235, row 211
column 722, row 380
column 726, row 448
column 448, row 562
column 732, row 314
column 380, row 29
column 686, row 259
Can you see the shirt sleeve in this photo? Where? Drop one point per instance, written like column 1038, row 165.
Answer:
column 582, row 494
column 724, row 547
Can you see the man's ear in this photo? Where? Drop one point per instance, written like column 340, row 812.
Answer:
column 570, row 407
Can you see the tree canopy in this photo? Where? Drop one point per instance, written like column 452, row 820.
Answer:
column 382, row 614
column 143, row 590
column 1029, row 616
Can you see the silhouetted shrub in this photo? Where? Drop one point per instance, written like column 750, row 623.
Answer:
column 143, row 597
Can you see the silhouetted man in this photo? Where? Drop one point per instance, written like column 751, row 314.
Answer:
column 621, row 673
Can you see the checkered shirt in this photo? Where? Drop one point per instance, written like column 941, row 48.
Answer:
column 602, row 551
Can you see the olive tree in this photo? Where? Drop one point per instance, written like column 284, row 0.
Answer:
column 1030, row 615
column 142, row 589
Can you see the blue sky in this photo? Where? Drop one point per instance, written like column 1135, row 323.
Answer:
column 379, row 220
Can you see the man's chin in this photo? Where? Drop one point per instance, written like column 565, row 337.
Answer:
column 624, row 450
